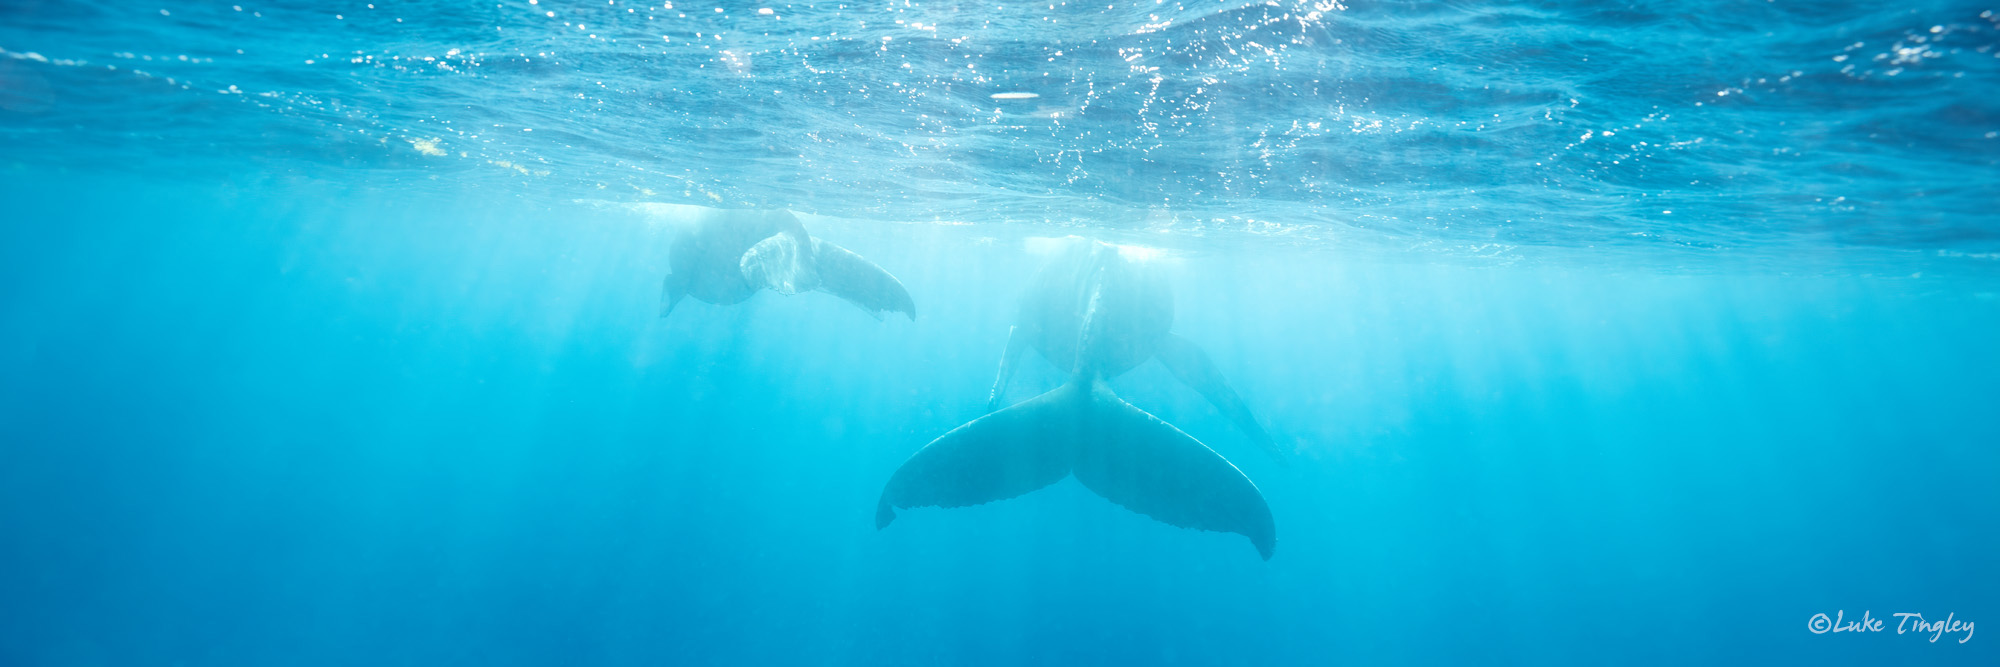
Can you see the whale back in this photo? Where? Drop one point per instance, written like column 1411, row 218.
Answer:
column 1090, row 308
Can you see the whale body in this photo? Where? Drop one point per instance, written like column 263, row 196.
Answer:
column 725, row 256
column 1134, row 316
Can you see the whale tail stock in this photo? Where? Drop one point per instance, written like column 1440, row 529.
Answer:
column 1115, row 449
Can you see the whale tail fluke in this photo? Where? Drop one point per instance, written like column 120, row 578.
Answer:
column 1115, row 449
column 995, row 457
column 860, row 282
column 1148, row 466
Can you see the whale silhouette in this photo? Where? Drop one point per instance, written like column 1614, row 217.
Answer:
column 1136, row 323
column 1081, row 428
column 724, row 256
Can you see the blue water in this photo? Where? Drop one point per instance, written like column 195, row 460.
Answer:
column 1597, row 334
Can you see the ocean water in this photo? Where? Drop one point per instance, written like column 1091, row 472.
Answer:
column 1595, row 333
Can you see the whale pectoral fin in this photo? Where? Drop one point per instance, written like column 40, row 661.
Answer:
column 672, row 292
column 860, row 282
column 995, row 457
column 1189, row 363
column 1145, row 464
column 780, row 263
column 1009, row 358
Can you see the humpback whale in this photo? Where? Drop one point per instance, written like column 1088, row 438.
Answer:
column 1135, row 321
column 1081, row 428
column 726, row 255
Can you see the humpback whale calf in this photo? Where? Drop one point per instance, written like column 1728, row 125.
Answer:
column 1111, row 308
column 727, row 255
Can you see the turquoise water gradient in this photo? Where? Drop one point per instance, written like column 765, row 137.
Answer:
column 247, row 428
column 1600, row 334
